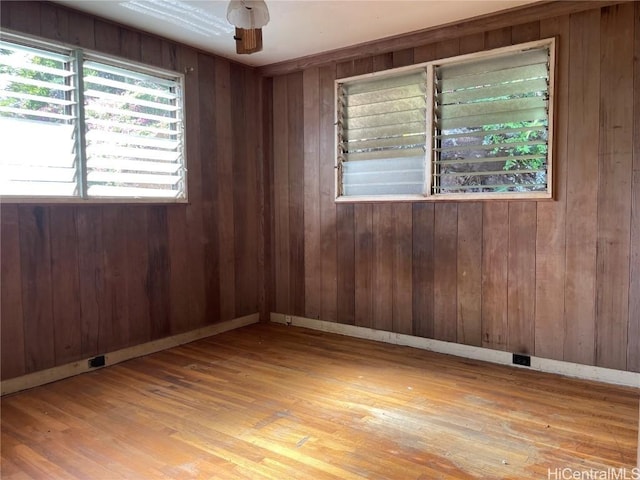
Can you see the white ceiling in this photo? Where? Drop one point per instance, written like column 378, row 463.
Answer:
column 297, row 28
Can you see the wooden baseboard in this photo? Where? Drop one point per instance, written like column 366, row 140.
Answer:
column 585, row 372
column 49, row 375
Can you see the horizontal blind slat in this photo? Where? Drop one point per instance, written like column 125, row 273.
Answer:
column 7, row 79
column 519, row 186
column 101, row 109
column 108, row 150
column 531, row 115
column 484, row 133
column 132, row 165
column 385, row 83
column 95, row 136
column 489, row 159
column 130, row 127
column 165, row 93
column 508, row 61
column 488, row 173
column 396, row 118
column 384, row 108
column 377, row 143
column 490, row 146
column 37, row 189
column 405, row 91
column 410, row 128
column 487, row 108
column 136, row 178
column 488, row 93
column 36, row 98
column 384, row 165
column 492, row 78
column 383, row 154
column 127, row 99
column 126, row 73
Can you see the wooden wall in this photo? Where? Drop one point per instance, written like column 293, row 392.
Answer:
column 556, row 279
column 82, row 280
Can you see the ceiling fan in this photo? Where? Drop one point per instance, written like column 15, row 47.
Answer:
column 248, row 16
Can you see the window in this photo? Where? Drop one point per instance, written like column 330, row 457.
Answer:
column 470, row 127
column 79, row 126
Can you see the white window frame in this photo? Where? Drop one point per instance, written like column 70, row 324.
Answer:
column 80, row 56
column 430, row 130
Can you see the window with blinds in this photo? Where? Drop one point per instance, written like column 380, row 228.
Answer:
column 133, row 133
column 38, row 122
column 474, row 127
column 75, row 125
column 492, row 124
column 381, row 139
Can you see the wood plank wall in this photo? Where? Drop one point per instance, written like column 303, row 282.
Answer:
column 79, row 280
column 557, row 279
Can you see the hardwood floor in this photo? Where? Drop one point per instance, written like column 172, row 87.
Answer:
column 270, row 401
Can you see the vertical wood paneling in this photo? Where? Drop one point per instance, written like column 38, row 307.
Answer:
column 281, row 194
column 64, row 275
column 363, row 225
column 400, row 58
column 208, row 109
column 23, row 16
column 35, row 266
column 445, row 323
column 224, row 163
column 469, row 274
column 633, row 349
column 296, row 191
column 12, row 348
column 130, row 45
column 582, row 186
column 136, row 279
column 200, row 303
column 495, row 244
column 115, row 330
column 526, row 32
column 312, row 256
column 266, row 272
column 383, row 244
column 346, row 262
column 151, row 50
column 54, row 22
column 91, row 271
column 81, row 30
column 425, row 53
column 521, row 276
column 107, row 37
column 158, row 278
column 250, row 200
column 403, row 269
column 327, row 194
column 549, row 322
column 423, row 274
column 614, row 187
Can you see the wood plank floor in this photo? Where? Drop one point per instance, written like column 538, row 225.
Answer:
column 277, row 402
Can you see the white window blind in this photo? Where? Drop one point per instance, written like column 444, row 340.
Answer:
column 492, row 124
column 475, row 126
column 133, row 133
column 381, row 135
column 78, row 125
column 37, row 122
